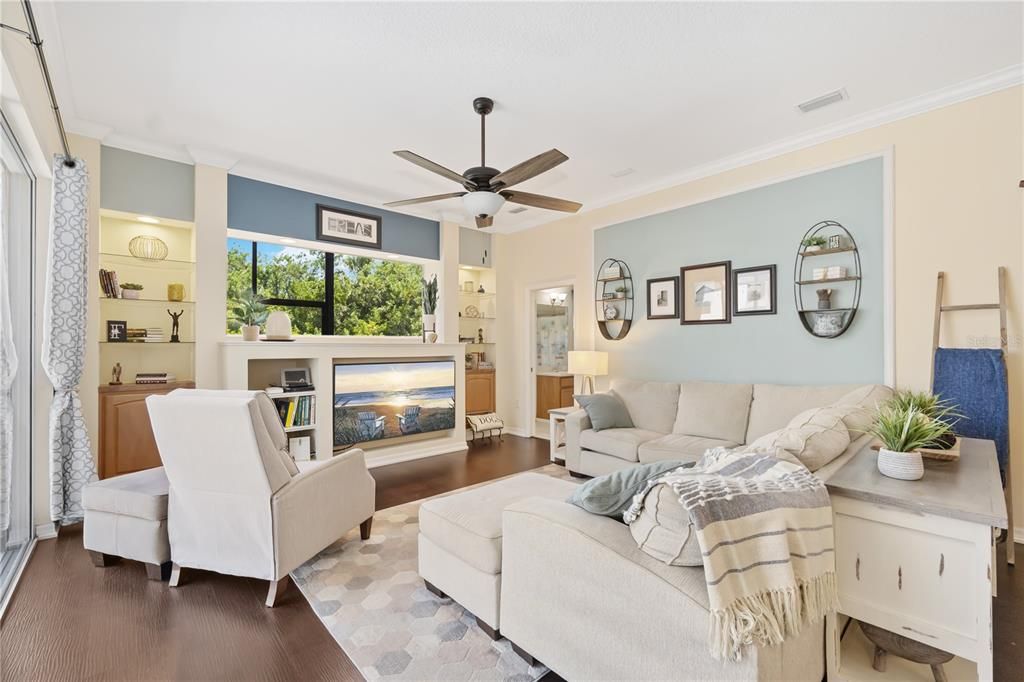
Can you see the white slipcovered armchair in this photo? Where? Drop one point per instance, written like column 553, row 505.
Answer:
column 237, row 504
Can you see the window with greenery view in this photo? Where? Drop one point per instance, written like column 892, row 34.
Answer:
column 327, row 293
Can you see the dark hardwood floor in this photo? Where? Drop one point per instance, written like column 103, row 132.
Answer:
column 71, row 621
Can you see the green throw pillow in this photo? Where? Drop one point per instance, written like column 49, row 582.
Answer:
column 611, row 494
column 606, row 411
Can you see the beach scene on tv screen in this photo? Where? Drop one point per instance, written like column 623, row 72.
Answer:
column 386, row 400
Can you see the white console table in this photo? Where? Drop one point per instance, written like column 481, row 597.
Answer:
column 256, row 364
column 916, row 558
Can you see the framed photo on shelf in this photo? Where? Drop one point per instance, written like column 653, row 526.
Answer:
column 754, row 291
column 347, row 227
column 117, row 331
column 663, row 298
column 705, row 291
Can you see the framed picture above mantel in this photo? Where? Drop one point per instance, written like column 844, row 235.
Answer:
column 344, row 226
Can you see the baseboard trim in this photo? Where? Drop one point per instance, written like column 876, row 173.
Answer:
column 517, row 431
column 46, row 531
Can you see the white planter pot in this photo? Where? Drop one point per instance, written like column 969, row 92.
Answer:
column 429, row 323
column 811, row 249
column 250, row 332
column 130, row 293
column 906, row 466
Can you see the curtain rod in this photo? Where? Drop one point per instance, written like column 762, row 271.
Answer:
column 32, row 35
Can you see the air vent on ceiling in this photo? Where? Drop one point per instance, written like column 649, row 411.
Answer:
column 517, row 209
column 823, row 101
column 622, row 173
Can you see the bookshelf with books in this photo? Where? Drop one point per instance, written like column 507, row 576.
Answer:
column 147, row 277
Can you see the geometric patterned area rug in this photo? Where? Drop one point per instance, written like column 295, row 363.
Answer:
column 371, row 599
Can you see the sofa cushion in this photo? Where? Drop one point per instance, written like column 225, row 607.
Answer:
column 605, row 410
column 468, row 524
column 679, row 446
column 611, row 494
column 774, row 405
column 652, row 404
column 815, row 436
column 621, row 443
column 864, row 400
column 142, row 494
column 663, row 529
column 713, row 410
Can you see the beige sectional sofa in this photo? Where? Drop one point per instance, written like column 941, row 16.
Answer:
column 682, row 420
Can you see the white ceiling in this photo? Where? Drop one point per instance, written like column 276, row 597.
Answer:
column 318, row 95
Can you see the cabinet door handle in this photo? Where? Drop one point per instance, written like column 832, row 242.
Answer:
column 942, row 564
column 857, row 567
column 899, row 574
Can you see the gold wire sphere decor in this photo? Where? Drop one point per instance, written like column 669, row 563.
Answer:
column 147, row 247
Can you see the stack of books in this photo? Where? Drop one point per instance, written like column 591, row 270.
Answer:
column 108, row 282
column 297, row 411
column 154, row 378
column 154, row 335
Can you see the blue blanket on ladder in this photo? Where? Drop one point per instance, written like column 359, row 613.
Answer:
column 974, row 379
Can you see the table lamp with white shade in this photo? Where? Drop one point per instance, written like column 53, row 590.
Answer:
column 588, row 364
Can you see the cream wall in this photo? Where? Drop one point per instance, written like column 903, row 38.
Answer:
column 957, row 208
column 211, row 218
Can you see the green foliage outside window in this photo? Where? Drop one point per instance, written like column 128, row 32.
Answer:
column 371, row 297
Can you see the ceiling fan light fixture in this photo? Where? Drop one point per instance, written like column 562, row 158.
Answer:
column 483, row 203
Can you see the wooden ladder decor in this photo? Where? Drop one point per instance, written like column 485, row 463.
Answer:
column 1001, row 307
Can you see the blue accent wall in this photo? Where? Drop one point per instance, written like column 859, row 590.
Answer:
column 147, row 185
column 272, row 209
column 758, row 227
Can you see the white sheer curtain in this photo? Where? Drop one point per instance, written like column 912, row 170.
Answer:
column 8, row 369
column 63, row 353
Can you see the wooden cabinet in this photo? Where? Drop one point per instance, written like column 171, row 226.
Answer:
column 126, row 437
column 553, row 391
column 480, row 391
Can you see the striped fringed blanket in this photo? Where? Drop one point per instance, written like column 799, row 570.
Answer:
column 764, row 526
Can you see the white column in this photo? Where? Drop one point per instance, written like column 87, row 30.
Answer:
column 211, row 271
column 448, row 284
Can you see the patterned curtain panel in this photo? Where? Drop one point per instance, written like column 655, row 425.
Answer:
column 71, row 462
column 8, row 368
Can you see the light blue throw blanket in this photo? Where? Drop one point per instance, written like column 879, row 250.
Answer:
column 974, row 380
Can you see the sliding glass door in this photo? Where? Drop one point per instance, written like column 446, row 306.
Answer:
column 17, row 187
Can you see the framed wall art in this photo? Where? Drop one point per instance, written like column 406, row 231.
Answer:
column 754, row 291
column 344, row 226
column 663, row 298
column 705, row 292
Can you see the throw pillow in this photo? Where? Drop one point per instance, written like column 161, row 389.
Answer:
column 606, row 411
column 815, row 437
column 663, row 529
column 861, row 404
column 611, row 494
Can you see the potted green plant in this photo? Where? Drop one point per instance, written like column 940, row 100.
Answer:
column 902, row 428
column 812, row 244
column 131, row 290
column 429, row 308
column 934, row 407
column 620, row 292
column 248, row 313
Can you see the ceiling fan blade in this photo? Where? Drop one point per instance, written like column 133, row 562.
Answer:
column 423, row 200
column 431, row 166
column 541, row 201
column 484, row 221
column 529, row 168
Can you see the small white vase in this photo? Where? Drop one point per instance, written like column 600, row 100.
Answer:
column 250, row 332
column 906, row 466
column 429, row 323
column 431, row 337
column 130, row 293
column 812, row 248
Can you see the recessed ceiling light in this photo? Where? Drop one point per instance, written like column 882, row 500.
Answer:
column 823, row 101
column 287, row 240
column 517, row 209
column 147, row 219
column 623, row 173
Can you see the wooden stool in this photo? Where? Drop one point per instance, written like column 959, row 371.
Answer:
column 890, row 643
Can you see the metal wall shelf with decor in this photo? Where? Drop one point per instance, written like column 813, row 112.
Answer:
column 146, row 278
column 823, row 318
column 613, row 301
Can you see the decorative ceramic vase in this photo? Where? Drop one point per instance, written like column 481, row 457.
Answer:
column 431, row 337
column 906, row 466
column 147, row 247
column 279, row 326
column 175, row 292
column 130, row 293
column 250, row 332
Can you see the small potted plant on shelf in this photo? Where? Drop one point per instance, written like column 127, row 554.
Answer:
column 131, row 290
column 620, row 292
column 903, row 427
column 429, row 308
column 812, row 244
column 247, row 315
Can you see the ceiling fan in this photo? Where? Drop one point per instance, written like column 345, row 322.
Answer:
column 486, row 187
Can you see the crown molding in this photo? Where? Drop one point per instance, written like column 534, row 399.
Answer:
column 987, row 84
column 91, row 129
column 130, row 143
column 212, row 157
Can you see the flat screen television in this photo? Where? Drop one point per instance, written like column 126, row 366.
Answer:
column 380, row 400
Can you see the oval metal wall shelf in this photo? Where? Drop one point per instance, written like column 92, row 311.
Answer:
column 808, row 314
column 623, row 305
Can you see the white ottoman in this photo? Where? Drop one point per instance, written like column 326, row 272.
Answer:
column 460, row 542
column 126, row 516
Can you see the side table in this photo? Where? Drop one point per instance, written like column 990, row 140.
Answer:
column 556, row 424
